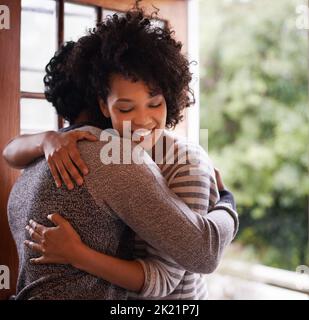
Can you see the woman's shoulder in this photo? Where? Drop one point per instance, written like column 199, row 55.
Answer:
column 186, row 151
column 193, row 168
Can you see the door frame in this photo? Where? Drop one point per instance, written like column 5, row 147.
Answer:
column 175, row 12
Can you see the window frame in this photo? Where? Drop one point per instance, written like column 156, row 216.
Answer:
column 174, row 12
column 60, row 14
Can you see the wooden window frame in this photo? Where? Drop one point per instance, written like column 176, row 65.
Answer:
column 60, row 14
column 172, row 11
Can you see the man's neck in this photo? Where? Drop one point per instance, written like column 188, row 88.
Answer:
column 82, row 117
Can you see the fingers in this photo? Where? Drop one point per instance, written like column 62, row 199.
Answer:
column 34, row 235
column 62, row 164
column 57, row 219
column 41, row 260
column 77, row 159
column 74, row 152
column 64, row 159
column 63, row 172
column 219, row 180
column 217, row 174
column 54, row 172
column 81, row 135
column 71, row 169
column 38, row 228
column 34, row 246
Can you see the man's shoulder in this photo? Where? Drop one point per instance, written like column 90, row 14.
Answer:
column 111, row 151
column 90, row 150
column 92, row 129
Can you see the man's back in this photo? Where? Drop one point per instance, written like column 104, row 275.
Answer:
column 34, row 196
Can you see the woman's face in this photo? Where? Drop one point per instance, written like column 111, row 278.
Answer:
column 133, row 102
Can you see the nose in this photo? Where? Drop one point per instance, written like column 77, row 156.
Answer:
column 142, row 120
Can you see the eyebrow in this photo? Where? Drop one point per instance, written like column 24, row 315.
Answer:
column 124, row 100
column 129, row 100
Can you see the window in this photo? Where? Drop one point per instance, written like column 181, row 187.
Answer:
column 44, row 26
column 254, row 97
column 37, row 115
column 77, row 20
column 38, row 27
column 38, row 42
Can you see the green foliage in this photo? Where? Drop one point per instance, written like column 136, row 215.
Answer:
column 254, row 102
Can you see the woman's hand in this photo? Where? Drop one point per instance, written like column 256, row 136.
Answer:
column 225, row 195
column 219, row 180
column 63, row 157
column 58, row 244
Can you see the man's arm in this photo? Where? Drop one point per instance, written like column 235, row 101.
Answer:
column 138, row 194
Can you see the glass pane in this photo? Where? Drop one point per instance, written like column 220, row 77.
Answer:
column 37, row 115
column 154, row 22
column 77, row 20
column 107, row 12
column 38, row 42
column 66, row 124
column 157, row 23
column 254, row 103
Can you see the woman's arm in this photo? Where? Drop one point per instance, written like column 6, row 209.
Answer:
column 158, row 216
column 61, row 244
column 149, row 277
column 196, row 185
column 127, row 274
column 24, row 149
column 60, row 151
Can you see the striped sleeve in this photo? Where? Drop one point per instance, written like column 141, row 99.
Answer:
column 192, row 180
column 162, row 274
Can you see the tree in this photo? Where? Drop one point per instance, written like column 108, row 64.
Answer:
column 254, row 103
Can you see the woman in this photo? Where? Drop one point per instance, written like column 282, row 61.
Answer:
column 138, row 75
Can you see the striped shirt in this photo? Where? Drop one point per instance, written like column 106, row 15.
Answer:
column 100, row 210
column 189, row 173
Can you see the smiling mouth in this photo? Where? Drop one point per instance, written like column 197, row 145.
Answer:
column 142, row 132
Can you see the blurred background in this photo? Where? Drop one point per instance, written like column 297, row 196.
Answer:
column 251, row 114
column 254, row 103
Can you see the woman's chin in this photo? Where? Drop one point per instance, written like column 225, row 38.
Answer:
column 146, row 142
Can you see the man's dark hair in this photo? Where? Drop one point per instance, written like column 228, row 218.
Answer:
column 130, row 45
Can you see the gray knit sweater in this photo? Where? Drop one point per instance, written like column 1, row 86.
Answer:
column 114, row 198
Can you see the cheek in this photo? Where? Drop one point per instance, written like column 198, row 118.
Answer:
column 118, row 121
column 161, row 115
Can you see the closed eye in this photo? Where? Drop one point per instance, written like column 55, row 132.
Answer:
column 125, row 111
column 156, row 105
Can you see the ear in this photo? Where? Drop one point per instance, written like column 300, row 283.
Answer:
column 104, row 108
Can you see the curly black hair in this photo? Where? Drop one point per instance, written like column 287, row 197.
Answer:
column 68, row 90
column 130, row 45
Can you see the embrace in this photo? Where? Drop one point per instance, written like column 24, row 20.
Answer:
column 88, row 227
